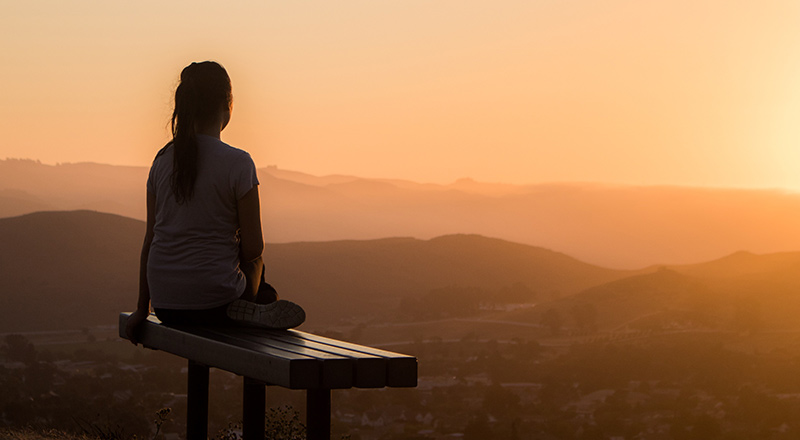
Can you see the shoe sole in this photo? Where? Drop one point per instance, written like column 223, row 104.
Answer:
column 279, row 315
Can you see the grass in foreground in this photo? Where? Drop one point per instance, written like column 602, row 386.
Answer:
column 30, row 434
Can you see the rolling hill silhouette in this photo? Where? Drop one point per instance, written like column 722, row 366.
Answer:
column 61, row 270
column 375, row 274
column 742, row 292
column 67, row 270
column 743, row 265
column 15, row 202
column 607, row 225
column 664, row 295
column 105, row 188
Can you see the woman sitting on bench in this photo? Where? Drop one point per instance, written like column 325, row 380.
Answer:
column 201, row 258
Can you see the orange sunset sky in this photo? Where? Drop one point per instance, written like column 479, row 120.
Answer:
column 687, row 92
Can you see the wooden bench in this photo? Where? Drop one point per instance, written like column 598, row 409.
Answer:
column 287, row 358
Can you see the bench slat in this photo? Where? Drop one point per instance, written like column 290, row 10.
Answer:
column 369, row 371
column 336, row 371
column 401, row 369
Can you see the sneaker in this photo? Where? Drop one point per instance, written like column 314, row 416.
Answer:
column 280, row 314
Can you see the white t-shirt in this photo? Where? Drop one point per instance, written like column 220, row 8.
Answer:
column 194, row 258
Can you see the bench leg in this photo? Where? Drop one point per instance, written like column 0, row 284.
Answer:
column 254, row 407
column 197, row 402
column 318, row 414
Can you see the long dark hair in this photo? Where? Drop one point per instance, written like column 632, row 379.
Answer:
column 205, row 88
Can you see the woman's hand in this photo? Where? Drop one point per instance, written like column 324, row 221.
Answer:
column 134, row 325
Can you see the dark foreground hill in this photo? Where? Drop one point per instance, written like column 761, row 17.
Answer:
column 362, row 277
column 63, row 270
column 67, row 270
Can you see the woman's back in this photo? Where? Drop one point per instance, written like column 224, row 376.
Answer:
column 194, row 256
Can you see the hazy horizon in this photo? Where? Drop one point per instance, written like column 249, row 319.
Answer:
column 454, row 181
column 615, row 226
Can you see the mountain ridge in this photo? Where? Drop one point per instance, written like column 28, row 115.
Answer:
column 619, row 226
column 70, row 269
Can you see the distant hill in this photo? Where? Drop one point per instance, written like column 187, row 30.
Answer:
column 611, row 226
column 743, row 265
column 66, row 270
column 627, row 302
column 16, row 202
column 106, row 188
column 742, row 292
column 62, row 270
column 764, row 285
column 366, row 276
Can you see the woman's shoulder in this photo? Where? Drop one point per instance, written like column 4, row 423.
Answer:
column 161, row 153
column 220, row 147
column 162, row 160
column 221, row 152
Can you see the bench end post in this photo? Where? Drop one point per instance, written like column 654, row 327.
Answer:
column 318, row 414
column 254, row 407
column 197, row 402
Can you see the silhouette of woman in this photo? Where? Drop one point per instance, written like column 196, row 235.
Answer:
column 201, row 258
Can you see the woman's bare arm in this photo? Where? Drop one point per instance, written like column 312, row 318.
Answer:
column 143, row 304
column 252, row 239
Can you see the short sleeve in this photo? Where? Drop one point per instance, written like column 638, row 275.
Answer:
column 151, row 185
column 244, row 176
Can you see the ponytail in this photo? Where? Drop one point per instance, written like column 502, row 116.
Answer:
column 204, row 89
